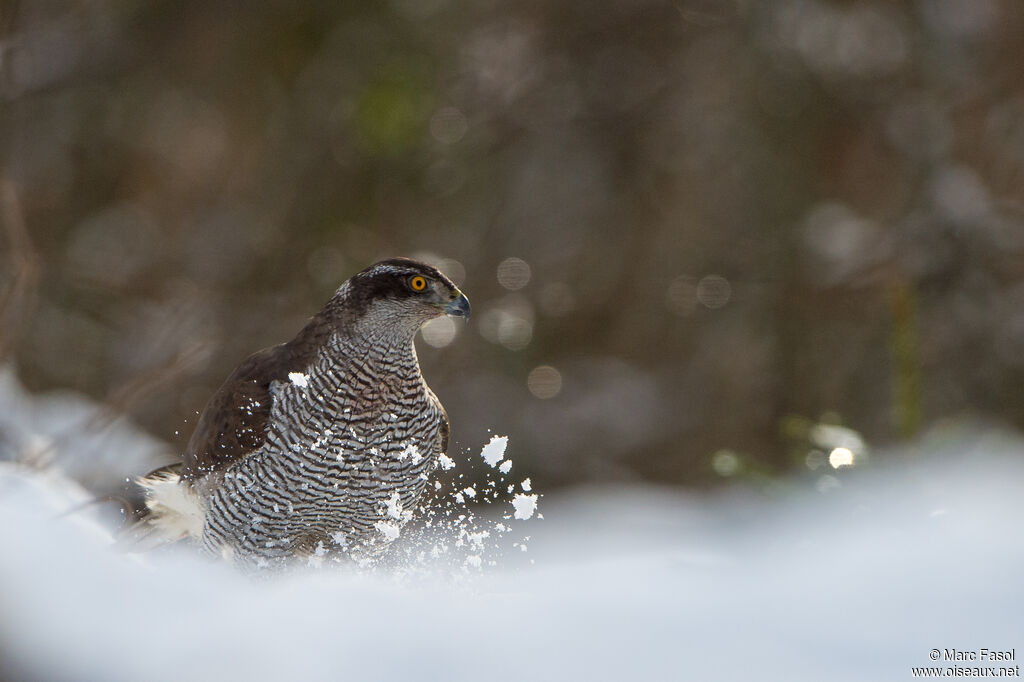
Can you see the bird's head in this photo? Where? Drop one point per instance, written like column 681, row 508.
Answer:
column 401, row 294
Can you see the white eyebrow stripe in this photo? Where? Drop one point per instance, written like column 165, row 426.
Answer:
column 392, row 269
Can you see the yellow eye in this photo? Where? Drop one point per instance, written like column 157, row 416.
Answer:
column 418, row 283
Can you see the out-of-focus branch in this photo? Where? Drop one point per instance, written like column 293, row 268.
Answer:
column 120, row 401
column 905, row 350
column 121, row 398
column 19, row 294
column 8, row 18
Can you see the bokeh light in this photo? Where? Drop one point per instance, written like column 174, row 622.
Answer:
column 513, row 273
column 840, row 457
column 713, row 291
column 509, row 322
column 544, row 382
column 960, row 195
column 448, row 125
column 439, row 332
column 455, row 270
column 725, row 463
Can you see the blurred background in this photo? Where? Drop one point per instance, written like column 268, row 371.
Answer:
column 704, row 240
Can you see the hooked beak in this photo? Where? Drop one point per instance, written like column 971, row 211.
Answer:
column 458, row 307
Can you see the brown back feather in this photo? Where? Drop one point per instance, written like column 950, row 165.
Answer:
column 234, row 422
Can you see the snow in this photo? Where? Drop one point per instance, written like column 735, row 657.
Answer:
column 394, row 509
column 494, row 451
column 859, row 583
column 849, row 576
column 299, row 379
column 506, row 466
column 524, row 505
column 389, row 530
column 477, row 538
column 413, row 452
column 446, row 462
column 108, row 449
column 526, row 485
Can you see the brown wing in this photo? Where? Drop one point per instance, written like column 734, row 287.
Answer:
column 234, row 422
column 446, row 431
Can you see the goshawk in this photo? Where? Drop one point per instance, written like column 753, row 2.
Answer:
column 319, row 445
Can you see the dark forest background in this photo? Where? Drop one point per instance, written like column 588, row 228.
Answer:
column 697, row 235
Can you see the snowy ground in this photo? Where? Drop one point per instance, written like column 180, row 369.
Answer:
column 64, row 429
column 920, row 550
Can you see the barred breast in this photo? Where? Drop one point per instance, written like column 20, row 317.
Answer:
column 349, row 445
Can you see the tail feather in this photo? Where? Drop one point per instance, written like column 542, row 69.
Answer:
column 172, row 511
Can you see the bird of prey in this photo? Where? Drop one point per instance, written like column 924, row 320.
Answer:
column 321, row 445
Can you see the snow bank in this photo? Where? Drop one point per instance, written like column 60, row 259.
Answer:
column 89, row 442
column 858, row 583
